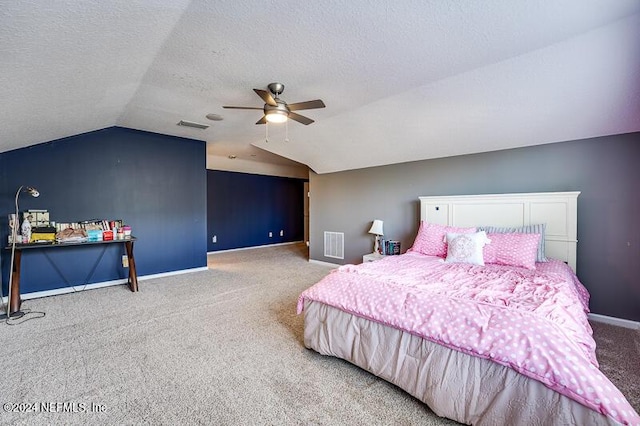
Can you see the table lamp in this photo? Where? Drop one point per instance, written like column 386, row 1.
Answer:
column 376, row 229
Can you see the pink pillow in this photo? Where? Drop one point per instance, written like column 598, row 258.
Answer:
column 431, row 238
column 512, row 249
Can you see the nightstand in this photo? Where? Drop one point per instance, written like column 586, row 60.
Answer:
column 372, row 257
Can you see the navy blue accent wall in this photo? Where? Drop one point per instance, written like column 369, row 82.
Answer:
column 155, row 183
column 243, row 208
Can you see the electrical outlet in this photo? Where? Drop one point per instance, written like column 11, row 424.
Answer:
column 282, row 233
column 270, row 234
column 214, row 239
column 125, row 261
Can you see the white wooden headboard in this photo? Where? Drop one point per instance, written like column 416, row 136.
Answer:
column 558, row 210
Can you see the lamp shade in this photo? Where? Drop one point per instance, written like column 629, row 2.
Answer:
column 376, row 227
column 32, row 191
column 276, row 116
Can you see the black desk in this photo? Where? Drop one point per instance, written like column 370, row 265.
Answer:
column 15, row 301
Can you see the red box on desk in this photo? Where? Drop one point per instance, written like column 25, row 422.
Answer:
column 107, row 235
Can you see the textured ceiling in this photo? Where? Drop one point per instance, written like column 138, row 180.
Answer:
column 402, row 81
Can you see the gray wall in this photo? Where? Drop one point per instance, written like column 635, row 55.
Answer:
column 606, row 170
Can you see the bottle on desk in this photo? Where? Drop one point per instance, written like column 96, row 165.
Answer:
column 26, row 230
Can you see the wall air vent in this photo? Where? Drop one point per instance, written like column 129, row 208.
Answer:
column 334, row 244
column 192, row 124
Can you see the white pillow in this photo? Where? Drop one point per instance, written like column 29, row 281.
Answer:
column 466, row 248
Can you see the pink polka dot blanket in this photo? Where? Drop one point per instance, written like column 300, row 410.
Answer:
column 533, row 321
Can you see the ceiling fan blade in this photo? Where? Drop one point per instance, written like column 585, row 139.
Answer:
column 300, row 118
column 263, row 120
column 306, row 105
column 237, row 107
column 266, row 97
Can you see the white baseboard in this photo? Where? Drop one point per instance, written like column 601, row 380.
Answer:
column 170, row 273
column 320, row 262
column 73, row 289
column 255, row 247
column 620, row 322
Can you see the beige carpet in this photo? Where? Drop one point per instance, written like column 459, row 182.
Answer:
column 222, row 346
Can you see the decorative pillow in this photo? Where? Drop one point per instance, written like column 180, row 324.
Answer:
column 529, row 229
column 466, row 248
column 430, row 238
column 512, row 249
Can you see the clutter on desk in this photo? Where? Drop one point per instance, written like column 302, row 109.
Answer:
column 25, row 229
column 43, row 234
column 37, row 228
column 94, row 230
column 36, row 217
column 13, row 227
column 70, row 235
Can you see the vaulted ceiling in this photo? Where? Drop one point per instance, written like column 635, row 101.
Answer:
column 401, row 80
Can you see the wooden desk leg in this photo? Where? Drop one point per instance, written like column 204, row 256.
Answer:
column 133, row 276
column 15, row 301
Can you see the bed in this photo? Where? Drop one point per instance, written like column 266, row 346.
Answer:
column 496, row 335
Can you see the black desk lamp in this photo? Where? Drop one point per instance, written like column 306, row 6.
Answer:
column 14, row 235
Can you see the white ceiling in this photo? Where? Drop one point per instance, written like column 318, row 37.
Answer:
column 402, row 81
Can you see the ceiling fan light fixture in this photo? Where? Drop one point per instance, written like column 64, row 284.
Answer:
column 276, row 116
column 277, row 110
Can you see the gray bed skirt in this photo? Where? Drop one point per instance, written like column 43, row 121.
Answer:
column 453, row 384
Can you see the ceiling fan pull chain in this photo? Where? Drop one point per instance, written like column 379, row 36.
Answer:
column 266, row 130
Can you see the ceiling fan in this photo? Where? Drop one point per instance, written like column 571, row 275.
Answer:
column 278, row 111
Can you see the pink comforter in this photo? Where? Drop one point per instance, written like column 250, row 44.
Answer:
column 532, row 321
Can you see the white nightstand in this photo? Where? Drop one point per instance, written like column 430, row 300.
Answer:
column 372, row 257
